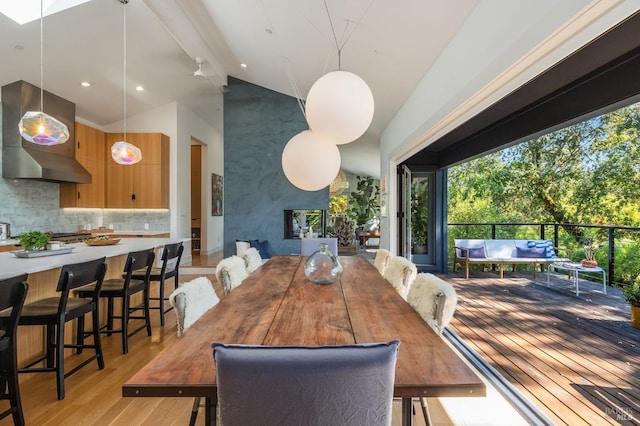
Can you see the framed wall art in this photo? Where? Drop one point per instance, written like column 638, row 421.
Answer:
column 217, row 201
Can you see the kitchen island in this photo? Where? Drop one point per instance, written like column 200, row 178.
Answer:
column 43, row 279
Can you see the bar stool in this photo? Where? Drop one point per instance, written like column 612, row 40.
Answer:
column 54, row 312
column 124, row 288
column 171, row 255
column 13, row 291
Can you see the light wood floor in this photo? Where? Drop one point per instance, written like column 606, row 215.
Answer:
column 94, row 397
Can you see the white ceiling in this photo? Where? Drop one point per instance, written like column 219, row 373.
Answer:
column 285, row 44
column 389, row 44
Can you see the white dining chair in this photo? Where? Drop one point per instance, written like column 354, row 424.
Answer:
column 400, row 273
column 190, row 301
column 230, row 272
column 381, row 260
column 435, row 301
column 309, row 245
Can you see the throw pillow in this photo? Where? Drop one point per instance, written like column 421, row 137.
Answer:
column 532, row 252
column 476, row 252
column 263, row 247
column 547, row 244
column 242, row 246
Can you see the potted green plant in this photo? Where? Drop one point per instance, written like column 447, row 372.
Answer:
column 632, row 295
column 363, row 202
column 33, row 240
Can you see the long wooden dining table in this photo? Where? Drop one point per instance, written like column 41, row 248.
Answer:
column 277, row 305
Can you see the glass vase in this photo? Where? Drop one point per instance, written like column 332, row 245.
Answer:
column 322, row 267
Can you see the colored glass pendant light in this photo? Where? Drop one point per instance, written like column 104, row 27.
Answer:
column 123, row 152
column 37, row 126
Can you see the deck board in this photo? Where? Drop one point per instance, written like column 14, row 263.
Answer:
column 574, row 358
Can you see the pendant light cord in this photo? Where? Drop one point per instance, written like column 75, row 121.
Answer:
column 41, row 56
column 124, row 79
column 339, row 47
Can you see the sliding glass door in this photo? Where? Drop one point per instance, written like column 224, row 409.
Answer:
column 416, row 218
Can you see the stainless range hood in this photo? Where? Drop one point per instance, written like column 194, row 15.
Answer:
column 24, row 160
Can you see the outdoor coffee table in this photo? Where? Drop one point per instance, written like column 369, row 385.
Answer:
column 576, row 269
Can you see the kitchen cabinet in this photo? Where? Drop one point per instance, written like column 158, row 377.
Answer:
column 144, row 185
column 90, row 151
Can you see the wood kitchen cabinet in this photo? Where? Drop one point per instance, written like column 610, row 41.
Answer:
column 91, row 153
column 144, row 185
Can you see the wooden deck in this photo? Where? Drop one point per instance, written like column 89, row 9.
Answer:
column 575, row 358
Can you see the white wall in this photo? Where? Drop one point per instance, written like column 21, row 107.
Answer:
column 180, row 124
column 492, row 55
column 190, row 125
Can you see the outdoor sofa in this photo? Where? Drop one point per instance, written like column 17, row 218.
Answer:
column 501, row 252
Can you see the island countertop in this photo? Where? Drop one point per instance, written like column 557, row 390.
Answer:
column 10, row 265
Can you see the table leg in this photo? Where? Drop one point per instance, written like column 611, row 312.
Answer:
column 548, row 270
column 210, row 410
column 604, row 283
column 576, row 277
column 407, row 411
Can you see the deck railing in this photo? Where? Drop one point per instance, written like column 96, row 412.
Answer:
column 619, row 255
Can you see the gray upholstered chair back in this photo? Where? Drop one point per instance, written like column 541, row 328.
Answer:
column 288, row 385
column 309, row 245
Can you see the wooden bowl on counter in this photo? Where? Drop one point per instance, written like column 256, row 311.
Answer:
column 103, row 242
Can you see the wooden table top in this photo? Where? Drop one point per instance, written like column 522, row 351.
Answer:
column 276, row 305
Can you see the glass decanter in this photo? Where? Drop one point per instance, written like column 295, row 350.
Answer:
column 322, row 267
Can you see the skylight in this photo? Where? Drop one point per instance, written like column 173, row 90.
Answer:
column 24, row 11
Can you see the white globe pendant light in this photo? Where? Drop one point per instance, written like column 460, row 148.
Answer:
column 310, row 162
column 339, row 106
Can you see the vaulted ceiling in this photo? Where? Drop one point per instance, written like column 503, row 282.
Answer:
column 286, row 45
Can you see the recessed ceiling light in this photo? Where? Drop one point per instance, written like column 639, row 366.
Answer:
column 85, row 84
column 243, row 65
column 139, row 88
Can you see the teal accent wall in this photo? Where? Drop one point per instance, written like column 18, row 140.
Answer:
column 258, row 123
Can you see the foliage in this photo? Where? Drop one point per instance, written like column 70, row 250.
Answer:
column 588, row 173
column 419, row 211
column 33, row 240
column 363, row 202
column 338, row 205
column 632, row 293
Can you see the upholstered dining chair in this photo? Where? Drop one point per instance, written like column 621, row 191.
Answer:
column 13, row 292
column 230, row 272
column 190, row 301
column 381, row 260
column 322, row 385
column 124, row 289
column 169, row 268
column 400, row 273
column 435, row 301
column 309, row 245
column 54, row 312
column 252, row 259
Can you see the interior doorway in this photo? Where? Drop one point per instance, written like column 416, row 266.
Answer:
column 198, row 226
